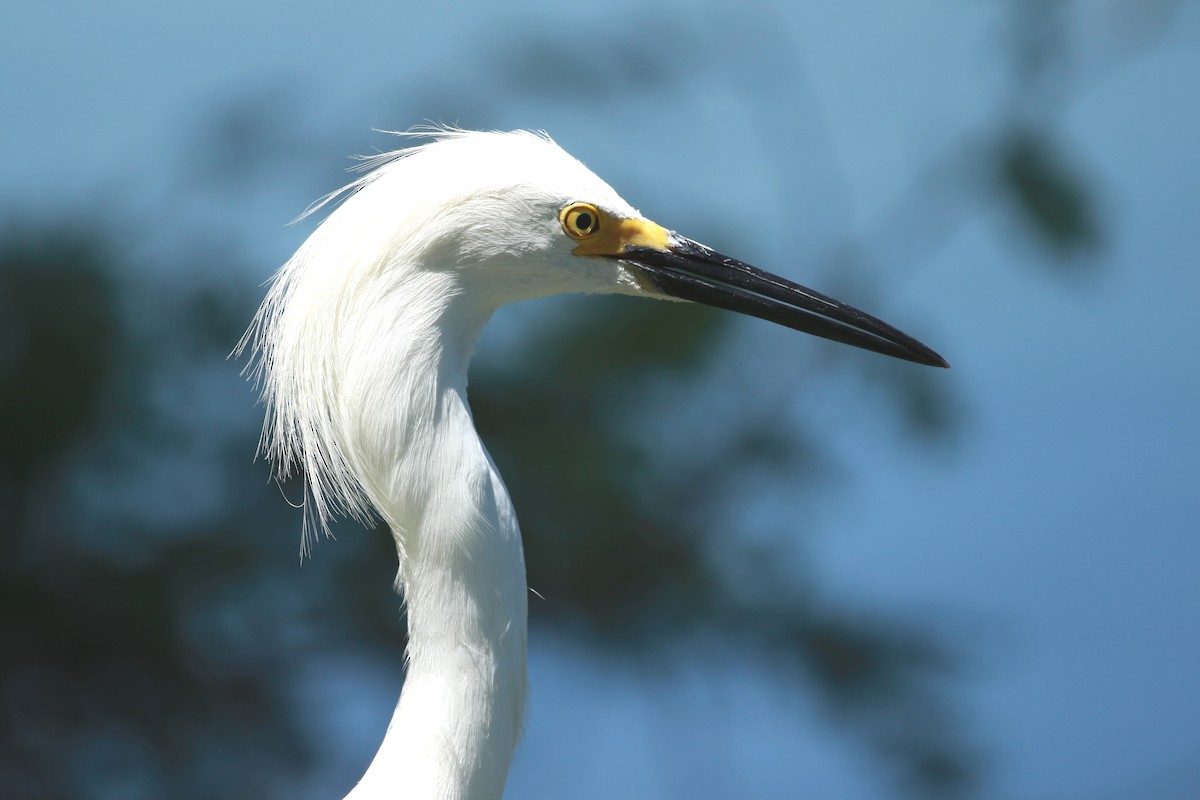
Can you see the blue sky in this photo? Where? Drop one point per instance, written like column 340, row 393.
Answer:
column 1056, row 538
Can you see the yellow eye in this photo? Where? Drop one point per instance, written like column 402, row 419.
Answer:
column 580, row 220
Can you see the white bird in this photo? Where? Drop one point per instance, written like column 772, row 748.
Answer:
column 362, row 346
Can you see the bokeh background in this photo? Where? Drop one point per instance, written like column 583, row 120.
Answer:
column 767, row 566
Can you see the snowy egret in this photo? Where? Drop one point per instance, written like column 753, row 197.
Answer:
column 362, row 346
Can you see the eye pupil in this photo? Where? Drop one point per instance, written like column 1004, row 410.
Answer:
column 583, row 222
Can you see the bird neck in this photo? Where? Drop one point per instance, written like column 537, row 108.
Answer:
column 462, row 570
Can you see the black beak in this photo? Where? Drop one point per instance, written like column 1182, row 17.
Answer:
column 690, row 271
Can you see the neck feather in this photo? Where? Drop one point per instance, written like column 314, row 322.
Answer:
column 462, row 574
column 462, row 569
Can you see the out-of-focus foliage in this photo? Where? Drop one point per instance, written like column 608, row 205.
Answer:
column 84, row 333
column 116, row 681
column 1051, row 198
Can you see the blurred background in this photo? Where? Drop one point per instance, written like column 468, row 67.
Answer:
column 767, row 566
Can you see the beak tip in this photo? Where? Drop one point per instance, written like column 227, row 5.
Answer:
column 930, row 358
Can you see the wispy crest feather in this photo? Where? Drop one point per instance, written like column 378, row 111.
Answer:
column 374, row 164
column 299, row 433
